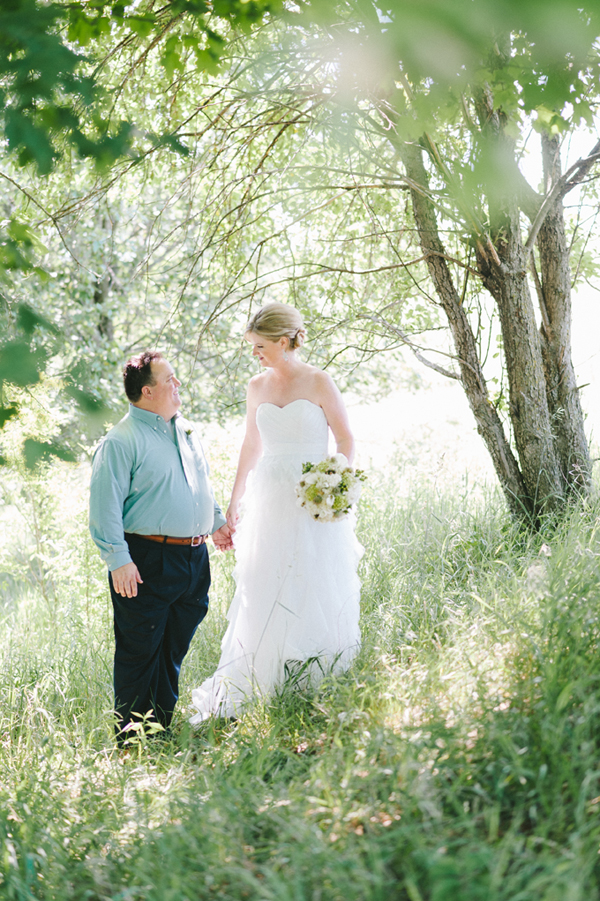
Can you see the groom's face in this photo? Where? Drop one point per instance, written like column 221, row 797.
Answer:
column 162, row 397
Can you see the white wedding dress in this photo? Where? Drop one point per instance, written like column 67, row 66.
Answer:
column 297, row 594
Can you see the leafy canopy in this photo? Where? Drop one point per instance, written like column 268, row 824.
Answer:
column 535, row 55
column 52, row 56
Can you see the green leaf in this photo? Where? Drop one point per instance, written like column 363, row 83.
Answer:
column 28, row 319
column 108, row 148
column 31, row 142
column 190, row 40
column 86, row 401
column 195, row 7
column 583, row 112
column 7, row 412
column 548, row 120
column 17, row 244
column 118, row 12
column 207, row 61
column 171, row 58
column 170, row 141
column 20, row 365
column 81, row 29
column 565, row 696
column 36, row 452
column 141, row 25
column 22, row 233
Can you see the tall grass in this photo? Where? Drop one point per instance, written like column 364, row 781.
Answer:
column 458, row 759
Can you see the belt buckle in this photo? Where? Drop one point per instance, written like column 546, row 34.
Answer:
column 196, row 540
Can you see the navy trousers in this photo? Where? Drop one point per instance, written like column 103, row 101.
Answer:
column 153, row 631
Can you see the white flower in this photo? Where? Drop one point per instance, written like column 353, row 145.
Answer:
column 327, row 490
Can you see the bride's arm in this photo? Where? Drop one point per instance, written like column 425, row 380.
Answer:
column 249, row 454
column 333, row 406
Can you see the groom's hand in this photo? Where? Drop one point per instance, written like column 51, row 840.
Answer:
column 222, row 538
column 125, row 580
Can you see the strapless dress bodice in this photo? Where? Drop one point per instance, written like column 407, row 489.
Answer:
column 300, row 428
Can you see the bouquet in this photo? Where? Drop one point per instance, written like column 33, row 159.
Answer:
column 328, row 489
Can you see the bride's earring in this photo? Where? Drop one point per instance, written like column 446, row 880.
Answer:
column 285, row 356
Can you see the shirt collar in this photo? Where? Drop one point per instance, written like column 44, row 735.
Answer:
column 147, row 416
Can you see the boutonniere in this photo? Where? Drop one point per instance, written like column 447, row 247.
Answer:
column 188, row 432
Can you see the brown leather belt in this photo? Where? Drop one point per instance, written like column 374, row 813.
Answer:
column 165, row 539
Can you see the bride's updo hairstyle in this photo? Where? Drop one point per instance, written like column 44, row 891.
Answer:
column 278, row 320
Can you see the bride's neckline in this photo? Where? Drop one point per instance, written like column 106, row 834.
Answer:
column 268, row 403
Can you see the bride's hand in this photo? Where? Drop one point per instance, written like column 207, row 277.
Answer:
column 233, row 515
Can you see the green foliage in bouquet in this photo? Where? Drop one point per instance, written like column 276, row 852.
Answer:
column 329, row 488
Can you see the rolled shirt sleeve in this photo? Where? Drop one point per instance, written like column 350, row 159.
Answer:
column 219, row 520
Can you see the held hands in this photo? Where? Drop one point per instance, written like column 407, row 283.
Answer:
column 125, row 580
column 222, row 538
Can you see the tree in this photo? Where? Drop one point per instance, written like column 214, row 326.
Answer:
column 453, row 89
column 328, row 117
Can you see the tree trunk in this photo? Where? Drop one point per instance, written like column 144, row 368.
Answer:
column 101, row 288
column 528, row 403
column 504, row 274
column 555, row 334
column 486, row 416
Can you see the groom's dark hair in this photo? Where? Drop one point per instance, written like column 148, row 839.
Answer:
column 137, row 372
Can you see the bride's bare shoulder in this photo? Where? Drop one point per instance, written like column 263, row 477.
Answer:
column 256, row 386
column 318, row 384
column 257, row 381
column 315, row 373
column 322, row 380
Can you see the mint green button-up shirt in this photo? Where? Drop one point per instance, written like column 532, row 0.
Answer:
column 149, row 477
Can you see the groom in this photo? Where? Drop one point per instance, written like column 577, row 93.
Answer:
column 151, row 508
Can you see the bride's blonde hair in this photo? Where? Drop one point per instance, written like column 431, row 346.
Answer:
column 278, row 320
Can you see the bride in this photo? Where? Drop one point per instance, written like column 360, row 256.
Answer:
column 297, row 594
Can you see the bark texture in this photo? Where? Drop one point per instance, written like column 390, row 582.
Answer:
column 505, row 275
column 489, row 425
column 529, row 412
column 555, row 335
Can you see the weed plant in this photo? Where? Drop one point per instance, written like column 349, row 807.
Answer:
column 457, row 760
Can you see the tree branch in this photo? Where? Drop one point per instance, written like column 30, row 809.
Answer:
column 560, row 189
column 540, row 294
column 414, row 347
column 50, row 216
column 530, row 200
column 321, row 267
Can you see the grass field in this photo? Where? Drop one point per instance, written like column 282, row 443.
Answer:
column 457, row 761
